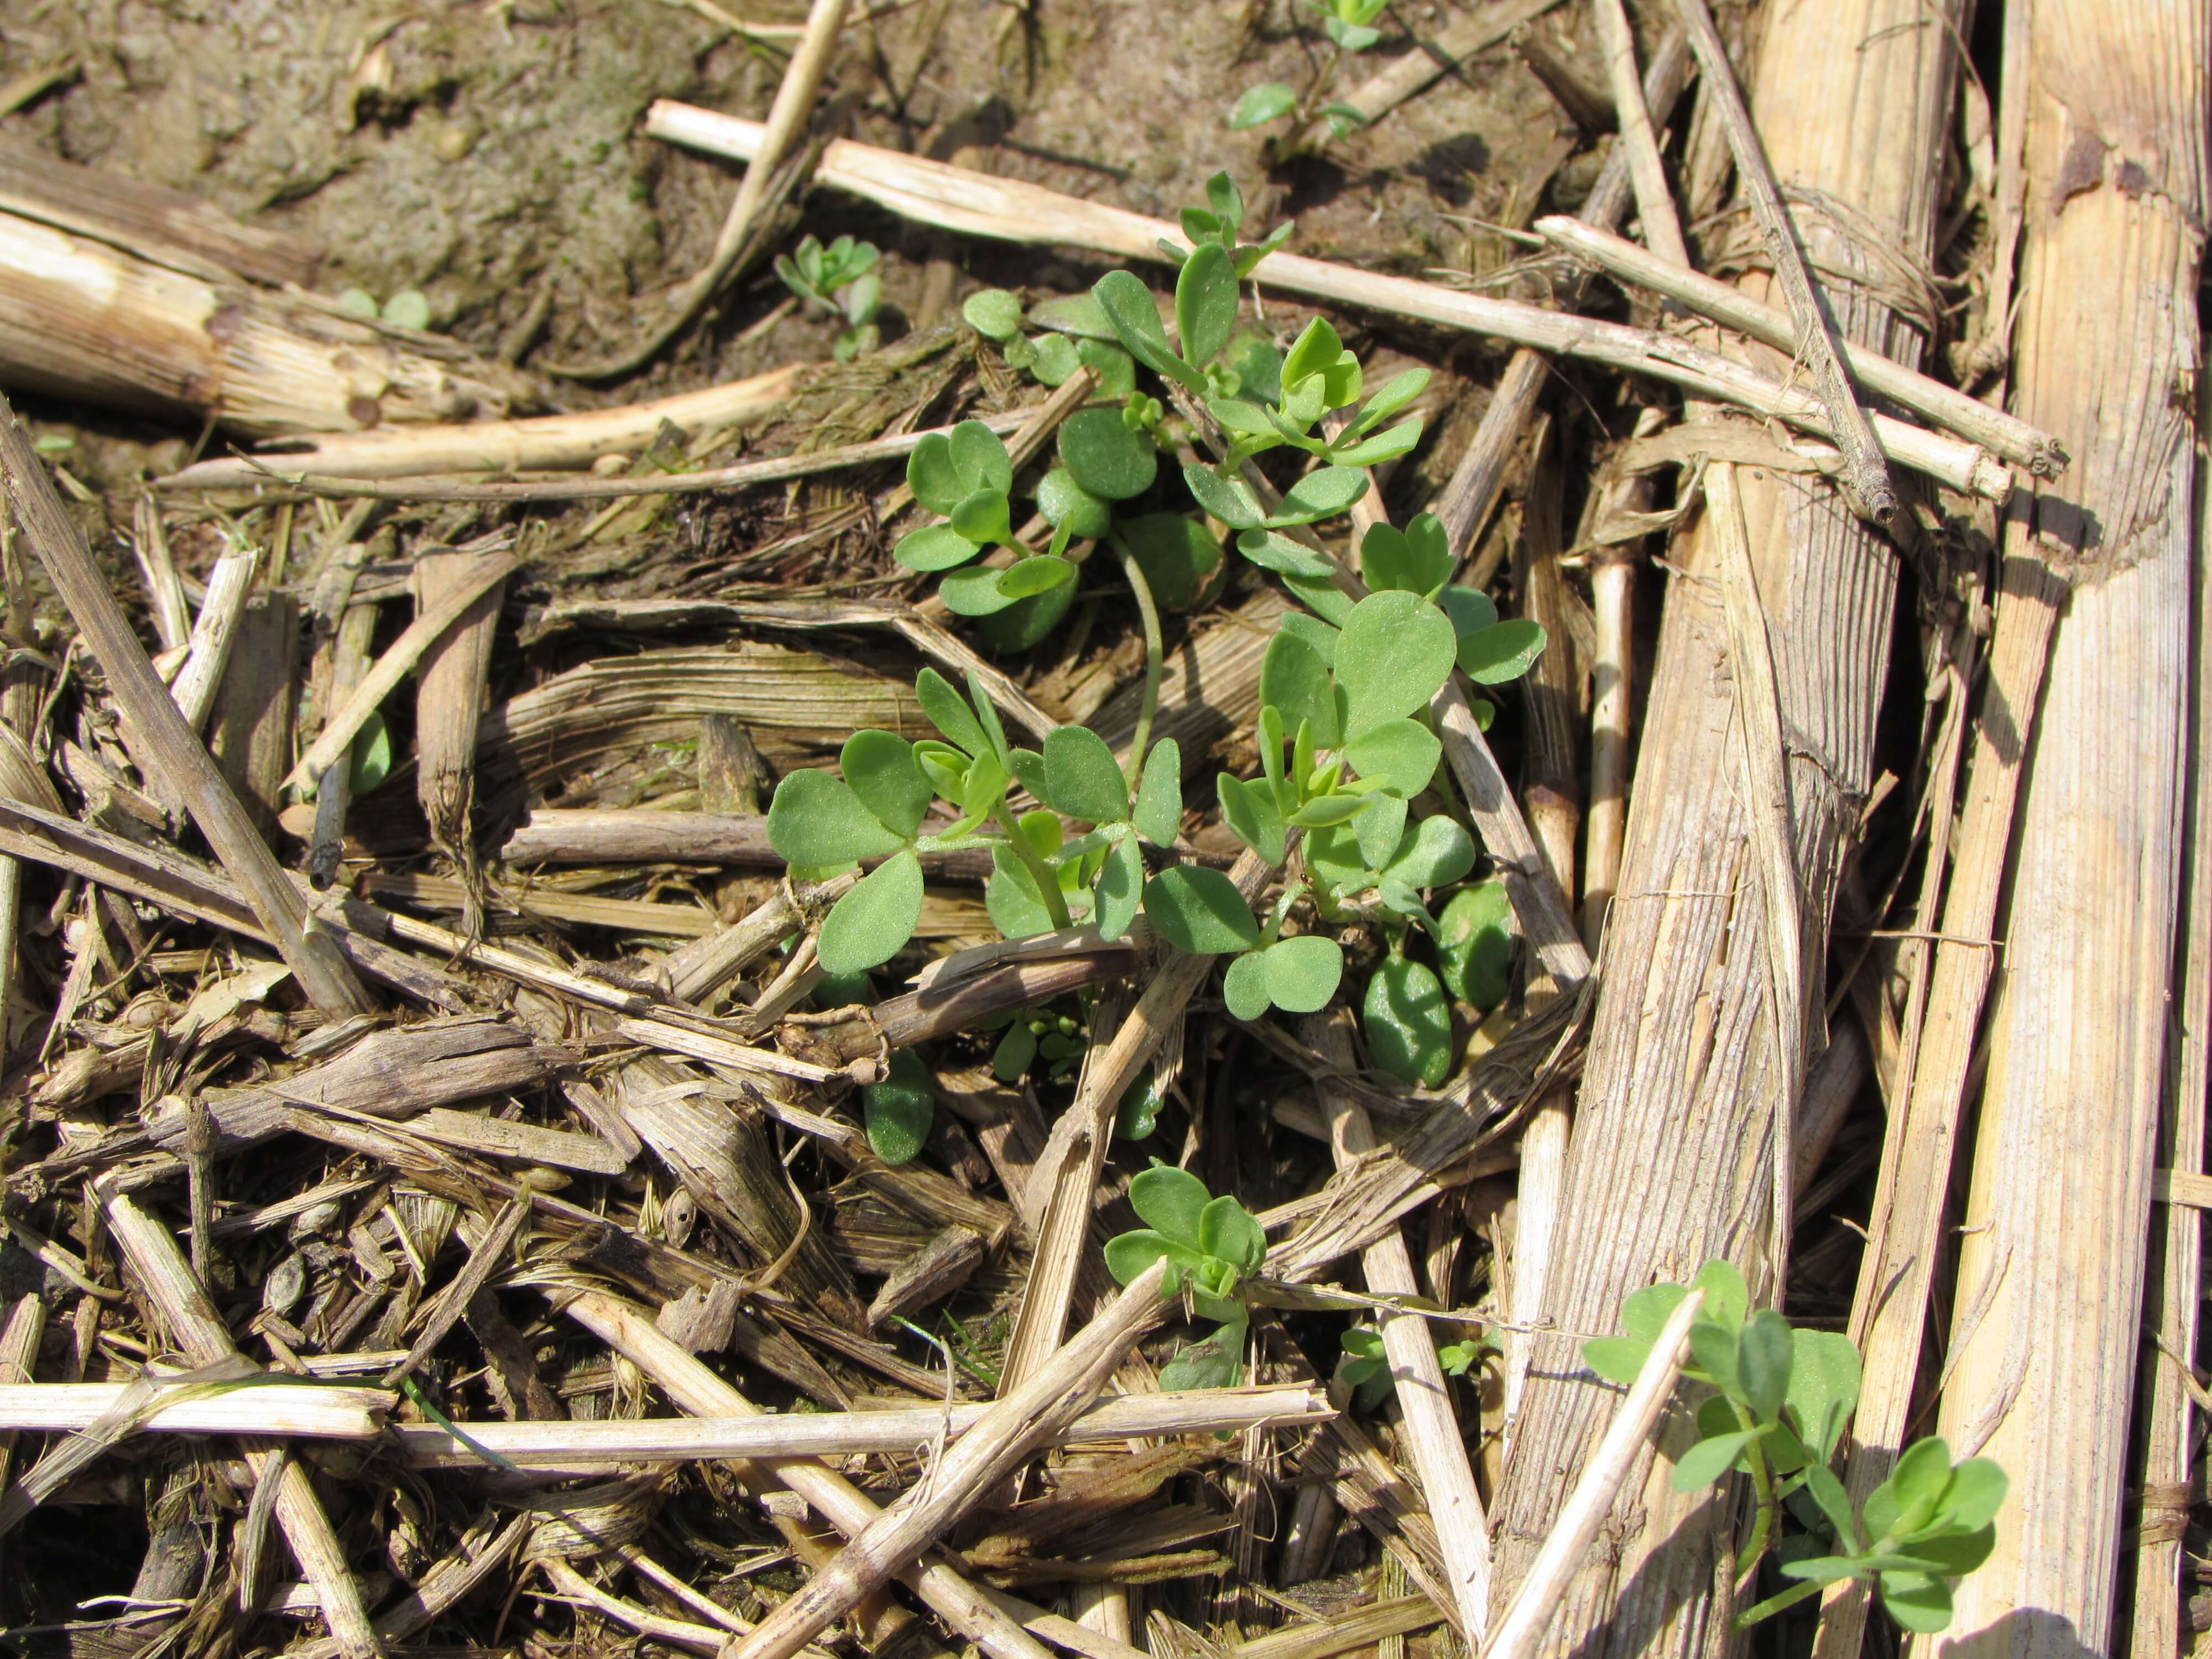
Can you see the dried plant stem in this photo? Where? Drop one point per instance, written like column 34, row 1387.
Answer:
column 1466, row 501
column 336, row 738
column 698, row 970
column 1016, row 1426
column 690, row 1385
column 2005, row 434
column 2045, row 1338
column 319, row 1413
column 822, row 1434
column 1537, row 1602
column 1654, row 203
column 19, row 1357
column 1868, row 472
column 181, row 763
column 978, row 204
column 449, row 706
column 1430, row 1437
column 166, row 1279
column 229, row 586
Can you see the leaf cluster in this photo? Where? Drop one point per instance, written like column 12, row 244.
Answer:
column 1212, row 1246
column 839, row 280
column 1781, row 1399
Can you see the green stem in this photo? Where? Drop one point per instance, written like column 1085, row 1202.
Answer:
column 1774, row 1604
column 1048, row 882
column 1148, row 612
column 1762, row 1525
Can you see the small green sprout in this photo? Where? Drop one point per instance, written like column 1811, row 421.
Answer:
column 1350, row 26
column 839, row 281
column 1212, row 1246
column 1365, row 1368
column 966, row 476
column 1220, row 222
column 1781, row 1399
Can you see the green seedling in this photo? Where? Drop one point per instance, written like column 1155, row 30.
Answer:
column 838, row 281
column 1781, row 1398
column 1066, row 344
column 1212, row 1246
column 1350, row 26
column 1220, row 222
column 1058, row 1037
column 1365, row 1368
column 409, row 309
column 900, row 1111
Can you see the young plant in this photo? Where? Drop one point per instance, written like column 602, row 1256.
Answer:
column 838, row 281
column 966, row 476
column 1070, row 339
column 1212, row 1246
column 1350, row 26
column 1221, row 222
column 1781, row 1399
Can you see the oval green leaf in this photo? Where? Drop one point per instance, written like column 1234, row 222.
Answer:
column 993, row 313
column 1158, row 811
column 1503, row 651
column 1206, row 303
column 1244, row 985
column 934, row 547
column 1262, row 103
column 816, row 821
column 899, row 1110
column 1170, row 1201
column 1201, row 911
column 1303, row 973
column 880, row 770
column 1231, row 500
column 1176, row 553
column 1408, row 1022
column 1082, row 778
column 1402, row 753
column 872, row 922
column 1026, row 578
column 1106, row 458
column 1063, row 502
column 1395, row 654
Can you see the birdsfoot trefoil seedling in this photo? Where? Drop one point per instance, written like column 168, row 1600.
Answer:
column 1212, row 1246
column 1781, row 1398
column 837, row 280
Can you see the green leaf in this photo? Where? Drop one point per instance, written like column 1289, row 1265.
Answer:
column 934, row 547
column 1158, row 811
column 1324, row 492
column 1201, row 911
column 1053, row 359
column 1139, row 1112
column 1303, row 973
column 1835, row 1503
column 1822, row 1569
column 1438, row 853
column 1082, row 778
column 1121, row 889
column 1011, row 1058
column 983, row 517
column 1106, row 458
column 1128, row 1255
column 1976, row 1491
column 1379, row 830
column 1503, row 651
column 979, row 456
column 1384, row 446
column 1824, row 1387
column 1315, row 351
column 1261, row 103
column 899, row 1110
column 1408, row 1022
column 1470, row 612
column 1645, row 1314
column 1250, row 811
column 1272, row 551
column 1397, row 391
column 872, row 922
column 1395, row 654
column 1026, row 578
column 1334, row 808
column 1227, row 203
column 1170, row 1201
column 1017, row 909
column 1216, row 1363
column 935, row 477
column 1402, row 753
column 1728, row 1298
column 1231, row 500
column 1713, row 1348
column 1294, row 677
column 879, row 768
column 974, row 592
column 1229, row 1232
column 1709, row 1459
column 409, row 309
column 1918, row 1600
column 818, row 822
column 1115, row 369
column 1415, row 560
column 1321, row 636
column 369, row 759
column 1244, row 985
column 1763, row 1358
column 1176, row 553
column 1956, row 1554
column 1023, row 622
column 1128, row 306
column 948, row 711
column 1616, row 1358
column 993, row 313
column 1076, row 313
column 1063, row 501
column 1206, row 303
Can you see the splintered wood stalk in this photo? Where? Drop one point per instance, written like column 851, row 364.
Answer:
column 276, row 1409
column 449, row 704
column 1016, row 1426
column 229, row 586
column 1433, row 1440
column 2045, row 1329
column 977, row 204
column 181, row 762
column 1674, row 1136
column 167, row 1280
column 629, row 1330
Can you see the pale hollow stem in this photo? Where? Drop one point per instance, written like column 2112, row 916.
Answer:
column 1055, row 903
column 1154, row 653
